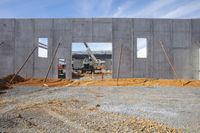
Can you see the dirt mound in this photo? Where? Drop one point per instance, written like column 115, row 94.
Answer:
column 5, row 81
column 4, row 85
column 17, row 78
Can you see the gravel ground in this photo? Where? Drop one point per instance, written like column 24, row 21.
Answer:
column 100, row 109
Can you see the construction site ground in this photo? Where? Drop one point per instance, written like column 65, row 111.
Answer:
column 97, row 81
column 96, row 105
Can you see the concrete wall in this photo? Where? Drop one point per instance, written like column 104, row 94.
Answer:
column 181, row 39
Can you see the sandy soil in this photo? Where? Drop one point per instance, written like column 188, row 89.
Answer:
column 111, row 82
column 40, row 82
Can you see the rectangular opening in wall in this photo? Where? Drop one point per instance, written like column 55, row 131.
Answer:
column 141, row 47
column 91, row 60
column 43, row 47
column 61, row 68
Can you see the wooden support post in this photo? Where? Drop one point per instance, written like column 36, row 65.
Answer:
column 119, row 63
column 51, row 62
column 23, row 65
column 167, row 57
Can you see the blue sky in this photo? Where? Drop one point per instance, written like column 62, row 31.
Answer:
column 93, row 46
column 99, row 8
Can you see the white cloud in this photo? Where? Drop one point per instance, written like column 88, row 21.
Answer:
column 94, row 8
column 160, row 9
column 121, row 10
column 85, row 7
column 106, row 7
column 184, row 10
column 153, row 8
column 103, row 8
column 147, row 11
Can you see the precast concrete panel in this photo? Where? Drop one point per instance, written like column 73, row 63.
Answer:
column 82, row 30
column 122, row 40
column 7, row 47
column 181, row 33
column 195, row 43
column 102, row 30
column 24, row 44
column 62, row 34
column 180, row 37
column 182, row 63
column 142, row 28
column 43, row 29
column 162, row 33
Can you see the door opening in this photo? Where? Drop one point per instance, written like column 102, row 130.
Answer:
column 61, row 68
column 91, row 60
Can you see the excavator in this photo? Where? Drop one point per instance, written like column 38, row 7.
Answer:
column 92, row 64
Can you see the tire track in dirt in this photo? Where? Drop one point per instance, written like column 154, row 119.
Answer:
column 67, row 121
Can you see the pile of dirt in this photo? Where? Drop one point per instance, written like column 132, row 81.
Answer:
column 5, row 81
column 4, row 85
column 17, row 78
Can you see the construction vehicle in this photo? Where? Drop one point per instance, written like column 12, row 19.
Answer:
column 92, row 64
